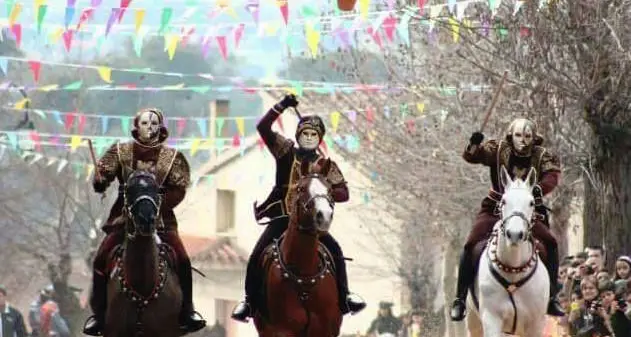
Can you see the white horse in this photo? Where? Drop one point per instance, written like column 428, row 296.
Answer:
column 512, row 284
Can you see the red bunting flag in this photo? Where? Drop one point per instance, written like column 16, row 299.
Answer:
column 69, row 121
column 236, row 141
column 86, row 15
column 123, row 6
column 223, row 49
column 35, row 67
column 370, row 115
column 180, row 125
column 82, row 120
column 36, row 139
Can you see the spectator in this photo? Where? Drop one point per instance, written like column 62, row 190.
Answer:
column 620, row 310
column 587, row 316
column 51, row 324
column 597, row 254
column 416, row 325
column 34, row 311
column 623, row 268
column 385, row 321
column 11, row 320
column 603, row 276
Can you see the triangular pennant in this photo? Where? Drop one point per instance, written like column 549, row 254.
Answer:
column 35, row 67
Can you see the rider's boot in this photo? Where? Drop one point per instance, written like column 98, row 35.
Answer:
column 465, row 278
column 98, row 301
column 554, row 307
column 244, row 309
column 349, row 302
column 190, row 320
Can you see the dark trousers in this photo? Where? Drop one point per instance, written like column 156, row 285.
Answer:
column 254, row 274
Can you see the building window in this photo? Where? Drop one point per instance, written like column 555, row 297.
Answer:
column 225, row 210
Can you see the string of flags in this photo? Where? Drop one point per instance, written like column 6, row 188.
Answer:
column 306, row 33
column 83, row 169
column 78, row 121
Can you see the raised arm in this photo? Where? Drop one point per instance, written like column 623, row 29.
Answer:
column 275, row 142
column 108, row 167
column 478, row 152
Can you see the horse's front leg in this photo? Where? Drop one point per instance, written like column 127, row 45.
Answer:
column 492, row 324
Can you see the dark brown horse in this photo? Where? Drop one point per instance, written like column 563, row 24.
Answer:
column 301, row 293
column 144, row 296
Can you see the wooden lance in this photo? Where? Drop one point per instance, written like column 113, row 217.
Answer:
column 496, row 96
column 97, row 174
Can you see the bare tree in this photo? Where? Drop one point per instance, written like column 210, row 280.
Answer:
column 50, row 220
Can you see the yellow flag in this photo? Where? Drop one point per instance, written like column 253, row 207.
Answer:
column 420, row 107
column 455, row 28
column 335, row 120
column 22, row 103
column 241, row 126
column 49, row 87
column 195, row 146
column 75, row 141
column 171, row 44
column 364, row 6
column 15, row 12
column 54, row 36
column 88, row 170
column 140, row 17
column 39, row 3
column 313, row 39
column 105, row 73
column 173, row 87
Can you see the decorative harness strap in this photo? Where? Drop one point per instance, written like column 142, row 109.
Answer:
column 510, row 287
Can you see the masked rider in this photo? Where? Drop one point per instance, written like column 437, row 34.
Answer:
column 147, row 152
column 291, row 164
column 518, row 152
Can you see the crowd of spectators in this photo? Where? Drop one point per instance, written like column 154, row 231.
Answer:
column 597, row 301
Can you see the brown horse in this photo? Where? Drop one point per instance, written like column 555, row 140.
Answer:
column 301, row 293
column 144, row 296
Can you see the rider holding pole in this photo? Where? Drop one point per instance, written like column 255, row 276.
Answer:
column 148, row 152
column 291, row 164
column 519, row 151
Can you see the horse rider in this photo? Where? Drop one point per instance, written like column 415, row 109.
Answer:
column 147, row 152
column 519, row 151
column 292, row 164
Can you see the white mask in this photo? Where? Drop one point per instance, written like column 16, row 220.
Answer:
column 309, row 139
column 522, row 134
column 148, row 126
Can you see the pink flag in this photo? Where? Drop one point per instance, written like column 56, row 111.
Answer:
column 16, row 29
column 223, row 49
column 238, row 33
column 68, row 39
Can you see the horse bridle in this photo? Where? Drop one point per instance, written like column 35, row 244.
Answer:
column 529, row 223
column 128, row 207
column 328, row 197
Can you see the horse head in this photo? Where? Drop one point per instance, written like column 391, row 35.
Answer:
column 313, row 204
column 142, row 204
column 517, row 207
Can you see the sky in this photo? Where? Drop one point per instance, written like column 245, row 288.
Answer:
column 265, row 54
